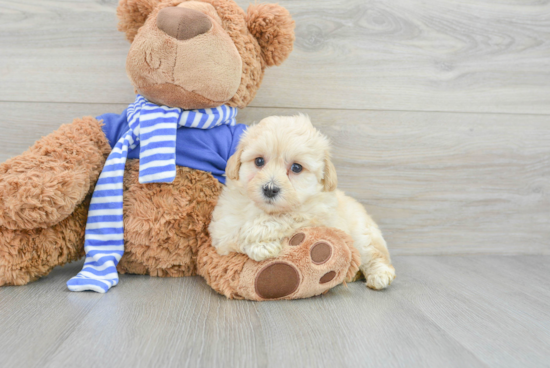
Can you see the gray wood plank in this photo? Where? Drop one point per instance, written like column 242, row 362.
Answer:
column 507, row 277
column 437, row 183
column 146, row 322
column 156, row 322
column 486, row 316
column 442, row 311
column 495, row 320
column 35, row 319
column 445, row 55
column 357, row 327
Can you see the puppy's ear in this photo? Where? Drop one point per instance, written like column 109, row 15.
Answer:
column 330, row 179
column 132, row 14
column 234, row 164
column 273, row 27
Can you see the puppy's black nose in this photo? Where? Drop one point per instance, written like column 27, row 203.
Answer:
column 270, row 191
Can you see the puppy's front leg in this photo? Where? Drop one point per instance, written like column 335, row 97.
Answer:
column 262, row 250
column 375, row 258
column 375, row 263
column 261, row 239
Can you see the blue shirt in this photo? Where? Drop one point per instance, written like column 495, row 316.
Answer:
column 200, row 149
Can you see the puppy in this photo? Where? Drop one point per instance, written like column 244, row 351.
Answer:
column 281, row 179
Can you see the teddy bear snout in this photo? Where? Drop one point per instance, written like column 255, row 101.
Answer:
column 183, row 23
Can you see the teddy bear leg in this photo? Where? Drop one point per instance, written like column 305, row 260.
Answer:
column 312, row 261
column 26, row 255
column 42, row 186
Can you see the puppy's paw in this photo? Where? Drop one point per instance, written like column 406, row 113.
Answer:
column 380, row 277
column 263, row 250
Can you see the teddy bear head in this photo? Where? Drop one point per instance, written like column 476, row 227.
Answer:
column 202, row 53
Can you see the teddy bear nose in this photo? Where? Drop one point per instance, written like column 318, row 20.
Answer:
column 183, row 23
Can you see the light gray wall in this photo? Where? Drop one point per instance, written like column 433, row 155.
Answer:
column 439, row 110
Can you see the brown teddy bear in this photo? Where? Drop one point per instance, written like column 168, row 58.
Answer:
column 191, row 56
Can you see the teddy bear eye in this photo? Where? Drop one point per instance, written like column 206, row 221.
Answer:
column 296, row 168
column 259, row 161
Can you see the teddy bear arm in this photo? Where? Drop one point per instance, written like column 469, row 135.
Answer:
column 43, row 186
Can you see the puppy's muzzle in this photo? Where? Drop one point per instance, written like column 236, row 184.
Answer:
column 271, row 190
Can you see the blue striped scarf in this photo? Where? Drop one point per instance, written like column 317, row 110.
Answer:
column 153, row 127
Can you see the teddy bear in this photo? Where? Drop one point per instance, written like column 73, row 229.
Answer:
column 198, row 60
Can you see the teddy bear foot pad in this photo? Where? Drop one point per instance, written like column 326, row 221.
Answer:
column 312, row 261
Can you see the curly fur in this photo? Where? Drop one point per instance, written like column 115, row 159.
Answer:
column 44, row 185
column 165, row 223
column 273, row 27
column 222, row 273
column 26, row 255
column 132, row 14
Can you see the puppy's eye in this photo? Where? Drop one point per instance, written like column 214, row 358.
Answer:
column 296, row 168
column 259, row 161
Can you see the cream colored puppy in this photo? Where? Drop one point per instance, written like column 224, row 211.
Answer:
column 280, row 180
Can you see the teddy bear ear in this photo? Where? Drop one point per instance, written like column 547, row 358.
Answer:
column 132, row 14
column 273, row 27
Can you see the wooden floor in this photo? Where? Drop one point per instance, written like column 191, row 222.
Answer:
column 442, row 311
column 439, row 115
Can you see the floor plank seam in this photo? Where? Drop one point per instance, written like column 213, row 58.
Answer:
column 50, row 354
column 306, row 108
column 488, row 254
column 448, row 335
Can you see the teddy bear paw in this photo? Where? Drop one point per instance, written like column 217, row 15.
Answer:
column 311, row 262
